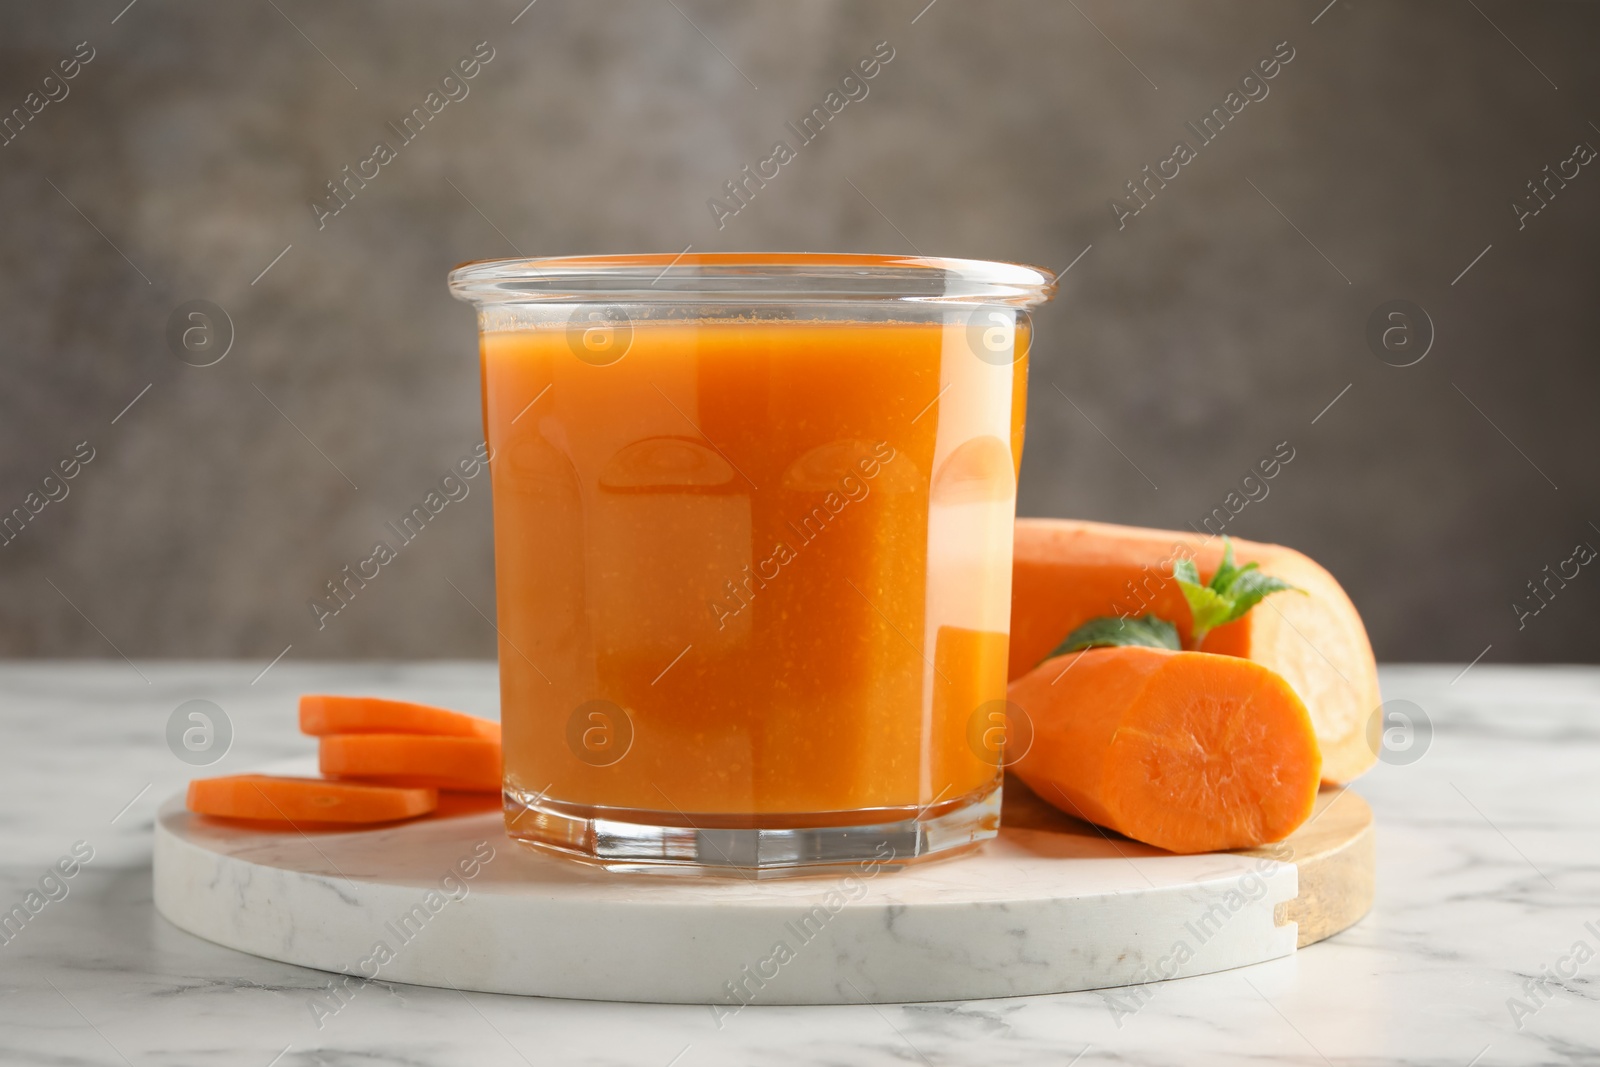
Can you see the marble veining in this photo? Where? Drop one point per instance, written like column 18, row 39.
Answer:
column 1489, row 875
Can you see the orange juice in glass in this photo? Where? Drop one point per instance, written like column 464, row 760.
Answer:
column 753, row 520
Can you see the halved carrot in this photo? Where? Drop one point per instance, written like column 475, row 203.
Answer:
column 274, row 798
column 1065, row 573
column 321, row 714
column 1187, row 751
column 466, row 763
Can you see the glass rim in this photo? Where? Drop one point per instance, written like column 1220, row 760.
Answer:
column 749, row 278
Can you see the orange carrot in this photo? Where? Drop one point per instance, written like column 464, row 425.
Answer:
column 303, row 801
column 1187, row 751
column 467, row 763
column 453, row 803
column 1065, row 573
column 321, row 715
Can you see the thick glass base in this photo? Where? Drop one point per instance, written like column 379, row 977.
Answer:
column 762, row 845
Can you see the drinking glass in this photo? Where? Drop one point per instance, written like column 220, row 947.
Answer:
column 753, row 523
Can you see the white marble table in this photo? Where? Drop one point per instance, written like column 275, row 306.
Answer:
column 1489, row 878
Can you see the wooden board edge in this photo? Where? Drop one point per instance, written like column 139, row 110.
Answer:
column 1336, row 858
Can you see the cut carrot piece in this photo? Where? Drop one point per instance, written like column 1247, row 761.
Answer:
column 1187, row 751
column 1065, row 573
column 321, row 715
column 272, row 798
column 467, row 763
column 454, row 803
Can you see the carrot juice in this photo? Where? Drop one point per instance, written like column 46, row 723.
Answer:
column 752, row 573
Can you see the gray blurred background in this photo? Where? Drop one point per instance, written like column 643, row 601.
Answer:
column 1221, row 320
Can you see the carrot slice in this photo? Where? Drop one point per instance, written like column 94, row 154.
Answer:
column 273, row 798
column 467, row 763
column 1187, row 751
column 1065, row 573
column 321, row 714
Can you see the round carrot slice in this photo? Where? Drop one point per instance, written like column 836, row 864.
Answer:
column 466, row 763
column 322, row 714
column 274, row 798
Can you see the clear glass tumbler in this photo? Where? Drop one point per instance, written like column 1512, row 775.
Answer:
column 753, row 520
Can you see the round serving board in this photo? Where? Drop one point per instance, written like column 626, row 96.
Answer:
column 1051, row 905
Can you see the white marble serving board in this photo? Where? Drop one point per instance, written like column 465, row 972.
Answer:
column 454, row 902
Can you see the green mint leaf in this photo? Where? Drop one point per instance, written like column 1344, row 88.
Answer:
column 1226, row 571
column 1250, row 588
column 1231, row 593
column 1109, row 631
column 1209, row 608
